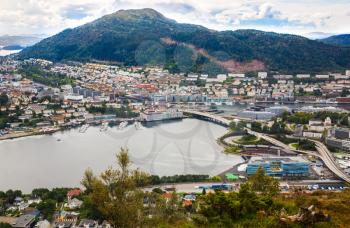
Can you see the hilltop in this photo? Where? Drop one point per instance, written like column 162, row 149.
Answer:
column 340, row 40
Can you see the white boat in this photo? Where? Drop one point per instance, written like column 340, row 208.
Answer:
column 104, row 126
column 122, row 125
column 84, row 128
column 138, row 126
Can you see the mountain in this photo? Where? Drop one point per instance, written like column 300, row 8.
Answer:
column 12, row 47
column 138, row 37
column 18, row 40
column 339, row 40
column 318, row 35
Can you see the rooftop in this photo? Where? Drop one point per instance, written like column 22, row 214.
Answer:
column 24, row 220
column 279, row 159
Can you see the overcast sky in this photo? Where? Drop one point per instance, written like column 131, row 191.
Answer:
column 287, row 16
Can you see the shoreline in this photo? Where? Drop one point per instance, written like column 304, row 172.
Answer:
column 12, row 136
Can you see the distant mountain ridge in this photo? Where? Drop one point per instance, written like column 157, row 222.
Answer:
column 18, row 40
column 340, row 40
column 138, row 37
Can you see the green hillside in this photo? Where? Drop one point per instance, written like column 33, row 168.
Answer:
column 138, row 37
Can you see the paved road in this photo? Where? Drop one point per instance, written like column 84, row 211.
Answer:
column 330, row 162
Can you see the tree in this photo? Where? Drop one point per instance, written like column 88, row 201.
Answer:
column 345, row 92
column 317, row 93
column 116, row 194
column 301, row 91
column 256, row 126
column 3, row 99
column 47, row 208
column 40, row 192
column 262, row 183
column 11, row 195
column 237, row 126
column 88, row 180
column 5, row 225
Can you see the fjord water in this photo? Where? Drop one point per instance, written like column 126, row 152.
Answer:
column 59, row 160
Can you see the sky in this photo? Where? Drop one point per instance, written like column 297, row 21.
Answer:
column 48, row 17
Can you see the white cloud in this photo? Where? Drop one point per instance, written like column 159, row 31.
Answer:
column 52, row 16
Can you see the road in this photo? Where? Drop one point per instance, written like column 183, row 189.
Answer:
column 322, row 150
column 330, row 162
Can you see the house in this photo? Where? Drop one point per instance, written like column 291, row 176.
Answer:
column 73, row 192
column 63, row 224
column 88, row 223
column 18, row 200
column 74, row 203
column 43, row 224
column 37, row 108
column 105, row 224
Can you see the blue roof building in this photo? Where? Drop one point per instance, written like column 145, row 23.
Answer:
column 279, row 166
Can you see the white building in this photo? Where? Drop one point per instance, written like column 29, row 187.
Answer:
column 322, row 76
column 262, row 75
column 192, row 77
column 283, row 77
column 221, row 77
column 314, row 135
column 302, row 76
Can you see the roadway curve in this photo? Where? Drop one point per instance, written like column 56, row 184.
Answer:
column 322, row 150
column 328, row 159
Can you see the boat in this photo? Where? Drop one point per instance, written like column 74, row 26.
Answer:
column 122, row 125
column 104, row 126
column 84, row 128
column 138, row 126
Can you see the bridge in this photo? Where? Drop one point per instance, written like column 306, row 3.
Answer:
column 209, row 116
column 215, row 118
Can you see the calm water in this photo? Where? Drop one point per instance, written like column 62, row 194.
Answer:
column 180, row 147
column 8, row 52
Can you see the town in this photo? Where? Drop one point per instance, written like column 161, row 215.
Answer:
column 295, row 127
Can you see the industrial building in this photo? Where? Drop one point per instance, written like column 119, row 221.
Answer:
column 170, row 114
column 342, row 133
column 279, row 166
column 262, row 113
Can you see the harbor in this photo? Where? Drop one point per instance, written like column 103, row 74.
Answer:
column 169, row 148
